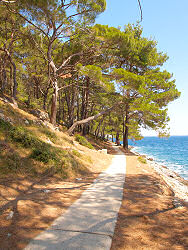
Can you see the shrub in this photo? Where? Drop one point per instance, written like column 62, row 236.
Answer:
column 5, row 125
column 76, row 153
column 83, row 141
column 24, row 137
column 142, row 160
column 43, row 152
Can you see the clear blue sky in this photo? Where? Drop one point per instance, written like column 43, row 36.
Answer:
column 166, row 21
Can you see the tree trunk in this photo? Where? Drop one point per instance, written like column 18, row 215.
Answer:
column 15, row 84
column 125, row 138
column 4, row 80
column 91, row 118
column 54, row 105
column 117, row 139
column 70, row 95
column 126, row 129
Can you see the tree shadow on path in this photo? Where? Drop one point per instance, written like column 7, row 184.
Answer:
column 148, row 218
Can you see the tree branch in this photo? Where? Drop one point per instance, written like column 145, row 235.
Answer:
column 27, row 20
column 91, row 118
column 140, row 11
column 68, row 60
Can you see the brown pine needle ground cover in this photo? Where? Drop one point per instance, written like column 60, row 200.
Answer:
column 35, row 203
column 147, row 218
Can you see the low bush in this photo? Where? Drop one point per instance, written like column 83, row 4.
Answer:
column 43, row 152
column 5, row 125
column 83, row 141
column 142, row 160
column 76, row 153
column 23, row 137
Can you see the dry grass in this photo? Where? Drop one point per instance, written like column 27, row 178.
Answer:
column 33, row 190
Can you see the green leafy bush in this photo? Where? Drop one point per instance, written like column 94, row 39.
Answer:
column 24, row 137
column 76, row 153
column 142, row 160
column 44, row 152
column 4, row 125
column 82, row 140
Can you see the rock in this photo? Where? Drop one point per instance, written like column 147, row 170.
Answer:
column 40, row 114
column 5, row 118
column 10, row 215
column 78, row 179
column 75, row 143
column 177, row 202
column 48, row 141
column 2, row 116
column 103, row 151
column 144, row 156
column 38, row 122
column 26, row 122
column 46, row 191
column 150, row 159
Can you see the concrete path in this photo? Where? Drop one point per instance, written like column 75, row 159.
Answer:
column 89, row 223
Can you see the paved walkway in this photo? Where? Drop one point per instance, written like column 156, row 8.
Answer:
column 89, row 223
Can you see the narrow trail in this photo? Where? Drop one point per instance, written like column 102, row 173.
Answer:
column 89, row 223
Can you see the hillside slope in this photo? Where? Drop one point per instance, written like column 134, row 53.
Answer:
column 42, row 172
column 32, row 147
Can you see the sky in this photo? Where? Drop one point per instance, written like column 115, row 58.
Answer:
column 166, row 22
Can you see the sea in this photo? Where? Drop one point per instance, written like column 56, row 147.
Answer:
column 171, row 152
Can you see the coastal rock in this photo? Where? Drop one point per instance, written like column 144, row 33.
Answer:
column 176, row 183
column 144, row 156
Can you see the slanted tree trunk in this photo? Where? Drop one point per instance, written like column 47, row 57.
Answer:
column 91, row 118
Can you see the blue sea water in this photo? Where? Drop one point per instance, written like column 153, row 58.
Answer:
column 171, row 152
